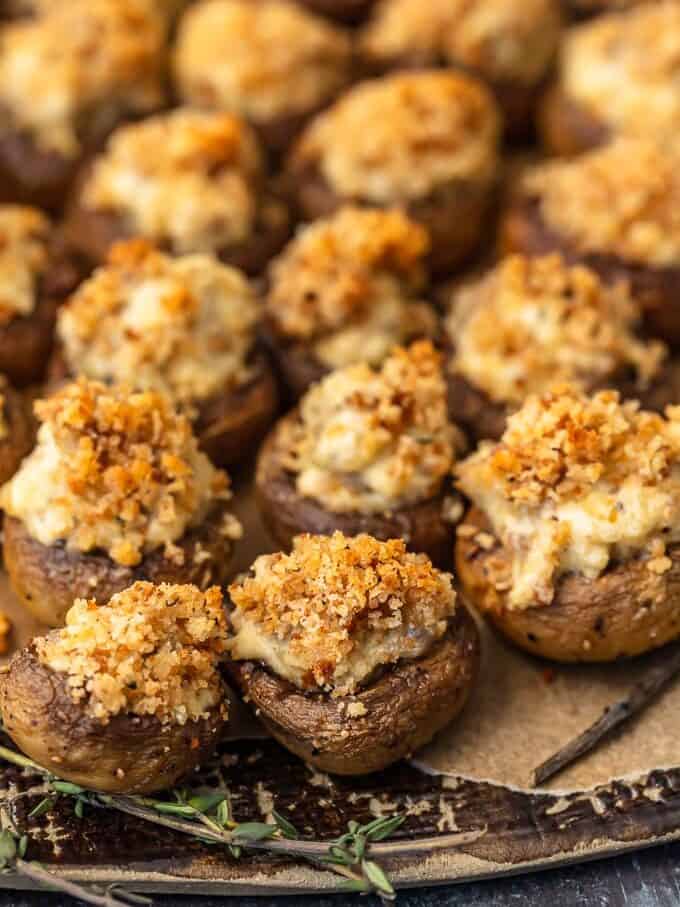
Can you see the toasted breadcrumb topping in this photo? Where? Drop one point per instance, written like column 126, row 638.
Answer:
column 501, row 39
column 115, row 470
column 371, row 441
column 348, row 286
column 575, row 482
column 24, row 257
column 335, row 609
column 183, row 326
column 186, row 179
column 532, row 321
column 625, row 68
column 78, row 66
column 263, row 60
column 623, row 199
column 151, row 651
column 402, row 136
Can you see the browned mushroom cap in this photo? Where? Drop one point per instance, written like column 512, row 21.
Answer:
column 287, row 513
column 131, row 754
column 389, row 719
column 229, row 426
column 19, row 437
column 628, row 610
column 566, row 127
column 47, row 578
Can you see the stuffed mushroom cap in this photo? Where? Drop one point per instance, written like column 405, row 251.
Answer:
column 127, row 697
column 346, row 289
column 115, row 490
column 70, row 64
column 354, row 651
column 183, row 326
column 579, row 490
column 620, row 71
column 529, row 322
column 266, row 61
column 402, row 137
column 189, row 181
column 499, row 39
column 620, row 201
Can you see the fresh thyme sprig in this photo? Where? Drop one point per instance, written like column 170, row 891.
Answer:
column 209, row 818
column 12, row 852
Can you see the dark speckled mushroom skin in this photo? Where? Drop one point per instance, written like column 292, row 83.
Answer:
column 626, row 611
column 130, row 754
column 402, row 710
column 47, row 578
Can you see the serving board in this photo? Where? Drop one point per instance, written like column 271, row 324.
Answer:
column 461, row 821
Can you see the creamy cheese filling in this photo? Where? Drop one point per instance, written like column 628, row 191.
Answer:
column 183, row 326
column 372, row 441
column 622, row 199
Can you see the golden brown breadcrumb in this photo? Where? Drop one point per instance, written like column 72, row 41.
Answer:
column 531, row 322
column 399, row 137
column 502, row 39
column 113, row 469
column 81, row 61
column 184, row 326
column 375, row 440
column 188, row 179
column 623, row 199
column 263, row 60
column 151, row 651
column 336, row 608
column 624, row 69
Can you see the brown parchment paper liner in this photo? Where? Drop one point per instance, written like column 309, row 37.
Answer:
column 522, row 711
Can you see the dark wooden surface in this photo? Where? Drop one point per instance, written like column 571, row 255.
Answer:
column 649, row 878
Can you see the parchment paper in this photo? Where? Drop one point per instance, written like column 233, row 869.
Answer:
column 522, row 711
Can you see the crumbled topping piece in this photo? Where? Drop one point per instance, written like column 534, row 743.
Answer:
column 183, row 326
column 23, row 259
column 576, row 481
column 370, row 440
column 335, row 609
column 625, row 68
column 533, row 321
column 502, row 39
column 80, row 63
column 348, row 286
column 151, row 651
column 263, row 60
column 402, row 136
column 186, row 179
column 623, row 199
column 115, row 470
